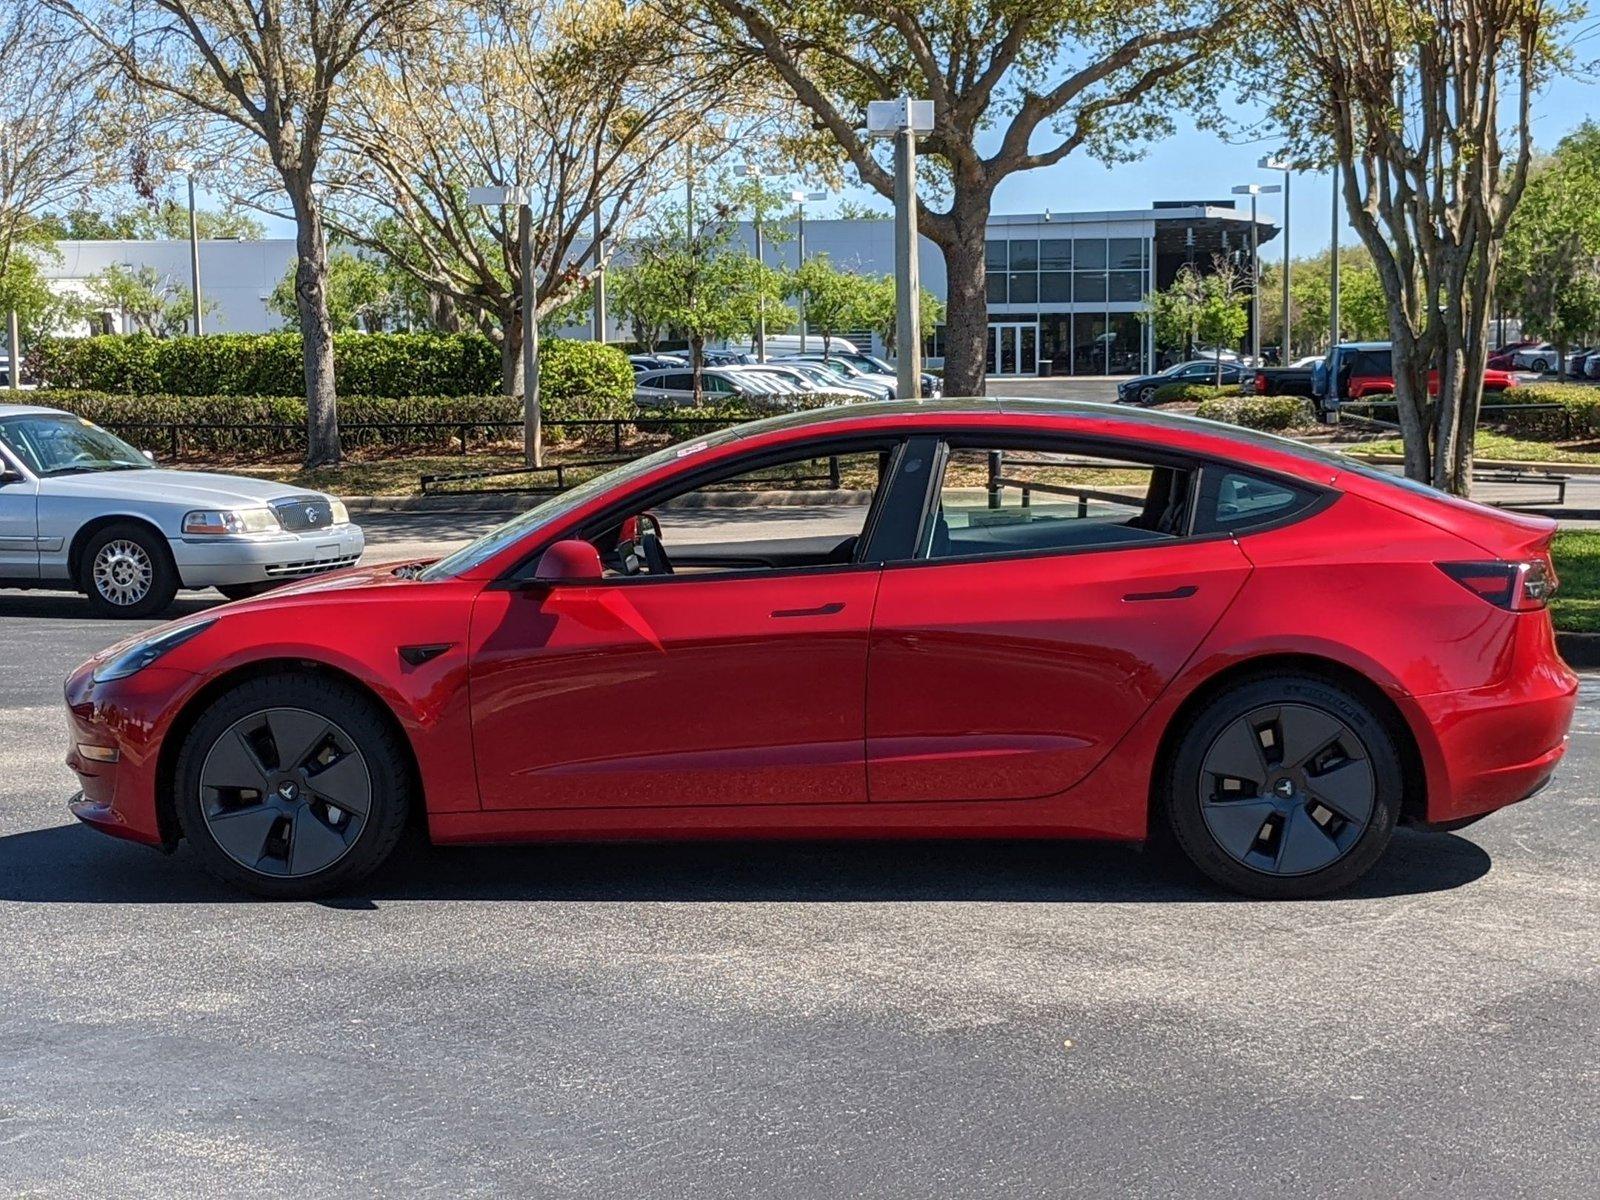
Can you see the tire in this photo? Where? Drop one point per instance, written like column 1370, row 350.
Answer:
column 279, row 822
column 1147, row 395
column 243, row 591
column 1542, row 366
column 1278, row 830
column 126, row 570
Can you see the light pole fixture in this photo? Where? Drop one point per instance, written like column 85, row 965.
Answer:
column 754, row 172
column 1273, row 163
column 506, row 197
column 187, row 167
column 902, row 120
column 800, row 198
column 598, row 288
column 1254, row 190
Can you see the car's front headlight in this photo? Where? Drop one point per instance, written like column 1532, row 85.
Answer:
column 216, row 522
column 341, row 514
column 137, row 655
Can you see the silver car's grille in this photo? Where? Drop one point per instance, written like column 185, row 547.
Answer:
column 300, row 513
column 310, row 566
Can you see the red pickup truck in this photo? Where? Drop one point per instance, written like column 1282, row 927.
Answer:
column 1362, row 369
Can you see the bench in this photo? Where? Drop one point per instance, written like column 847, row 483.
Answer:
column 1535, row 478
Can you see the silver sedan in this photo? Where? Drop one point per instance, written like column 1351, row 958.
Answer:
column 82, row 509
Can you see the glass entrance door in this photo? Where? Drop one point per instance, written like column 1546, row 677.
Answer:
column 1013, row 348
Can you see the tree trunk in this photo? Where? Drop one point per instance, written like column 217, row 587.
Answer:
column 316, row 331
column 511, row 352
column 697, row 364
column 966, row 318
column 1409, row 367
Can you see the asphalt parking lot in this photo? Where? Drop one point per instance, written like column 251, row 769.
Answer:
column 784, row 1020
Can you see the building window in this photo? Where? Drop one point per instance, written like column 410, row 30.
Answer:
column 1055, row 287
column 1126, row 254
column 933, row 344
column 1089, row 254
column 994, row 255
column 1089, row 287
column 1055, row 254
column 1024, row 288
column 995, row 287
column 1126, row 285
column 1025, row 255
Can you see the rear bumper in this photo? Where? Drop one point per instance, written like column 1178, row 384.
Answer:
column 214, row 562
column 1496, row 745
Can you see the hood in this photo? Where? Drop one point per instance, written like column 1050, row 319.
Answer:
column 375, row 575
column 195, row 489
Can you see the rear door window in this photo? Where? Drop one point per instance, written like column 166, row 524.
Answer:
column 1234, row 501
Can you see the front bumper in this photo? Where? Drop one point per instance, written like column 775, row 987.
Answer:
column 262, row 558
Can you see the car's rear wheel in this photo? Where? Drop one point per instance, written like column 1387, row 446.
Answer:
column 1284, row 787
column 292, row 786
column 126, row 570
column 1146, row 395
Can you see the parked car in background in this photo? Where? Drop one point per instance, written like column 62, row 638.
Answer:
column 830, row 381
column 656, row 362
column 851, row 371
column 1142, row 388
column 81, row 509
column 674, row 388
column 846, row 375
column 1576, row 360
column 932, row 385
column 1542, row 358
column 1591, row 366
column 1271, row 654
column 1362, row 369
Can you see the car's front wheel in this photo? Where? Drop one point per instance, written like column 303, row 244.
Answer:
column 126, row 570
column 292, row 786
column 1284, row 787
column 1147, row 395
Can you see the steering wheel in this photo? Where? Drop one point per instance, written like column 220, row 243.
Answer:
column 655, row 555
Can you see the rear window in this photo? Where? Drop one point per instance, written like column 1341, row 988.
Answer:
column 1233, row 501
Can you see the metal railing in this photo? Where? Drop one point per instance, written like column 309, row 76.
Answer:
column 1485, row 411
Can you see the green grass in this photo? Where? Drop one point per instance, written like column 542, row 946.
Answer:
column 1499, row 445
column 1576, row 607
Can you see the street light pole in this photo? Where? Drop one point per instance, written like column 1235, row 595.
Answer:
column 187, row 168
column 800, row 199
column 1333, row 269
column 1254, row 190
column 902, row 120
column 599, row 282
column 532, row 427
column 1270, row 163
column 753, row 172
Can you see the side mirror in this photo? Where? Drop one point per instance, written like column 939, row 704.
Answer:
column 9, row 476
column 570, row 561
column 149, row 454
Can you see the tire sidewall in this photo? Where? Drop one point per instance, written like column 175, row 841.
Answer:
column 357, row 715
column 163, row 572
column 1182, row 786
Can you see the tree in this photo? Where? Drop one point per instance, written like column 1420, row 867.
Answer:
column 881, row 312
column 1015, row 85
column 153, row 302
column 1552, row 250
column 271, row 71
column 1207, row 308
column 585, row 107
column 48, row 144
column 165, row 219
column 1363, row 313
column 362, row 295
column 831, row 300
column 1175, row 310
column 1407, row 94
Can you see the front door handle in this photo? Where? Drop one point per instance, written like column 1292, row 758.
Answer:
column 1177, row 593
column 821, row 610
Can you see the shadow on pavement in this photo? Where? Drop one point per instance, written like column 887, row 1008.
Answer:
column 71, row 606
column 71, row 864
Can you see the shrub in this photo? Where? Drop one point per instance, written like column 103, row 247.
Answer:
column 211, row 424
column 1192, row 393
column 394, row 365
column 1273, row 414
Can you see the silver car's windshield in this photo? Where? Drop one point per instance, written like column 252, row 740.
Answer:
column 61, row 444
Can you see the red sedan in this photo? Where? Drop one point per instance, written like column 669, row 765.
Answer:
column 970, row 618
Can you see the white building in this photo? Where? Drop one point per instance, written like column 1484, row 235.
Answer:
column 236, row 277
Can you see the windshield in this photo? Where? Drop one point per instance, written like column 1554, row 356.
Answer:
column 474, row 554
column 61, row 444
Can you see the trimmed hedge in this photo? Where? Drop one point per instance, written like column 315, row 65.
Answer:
column 1273, row 414
column 1578, row 415
column 1170, row 393
column 205, row 421
column 365, row 364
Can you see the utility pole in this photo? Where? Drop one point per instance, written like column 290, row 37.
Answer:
column 532, row 428
column 1333, row 270
column 599, row 281
column 902, row 120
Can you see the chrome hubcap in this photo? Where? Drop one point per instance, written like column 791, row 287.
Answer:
column 1287, row 789
column 285, row 792
column 123, row 572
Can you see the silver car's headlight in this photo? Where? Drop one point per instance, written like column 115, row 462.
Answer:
column 230, row 520
column 341, row 514
column 136, row 656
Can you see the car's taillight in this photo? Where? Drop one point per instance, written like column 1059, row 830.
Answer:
column 1514, row 586
column 1261, row 384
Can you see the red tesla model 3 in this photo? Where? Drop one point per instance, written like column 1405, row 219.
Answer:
column 967, row 618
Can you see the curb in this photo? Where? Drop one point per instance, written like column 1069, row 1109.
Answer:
column 1581, row 650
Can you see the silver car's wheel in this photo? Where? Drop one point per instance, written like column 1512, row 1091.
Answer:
column 126, row 570
column 123, row 572
column 285, row 792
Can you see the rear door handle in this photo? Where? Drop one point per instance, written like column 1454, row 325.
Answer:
column 821, row 610
column 1177, row 593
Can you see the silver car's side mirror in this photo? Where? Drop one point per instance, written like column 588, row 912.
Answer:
column 150, row 454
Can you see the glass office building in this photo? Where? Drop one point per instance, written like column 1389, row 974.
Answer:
column 1065, row 290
